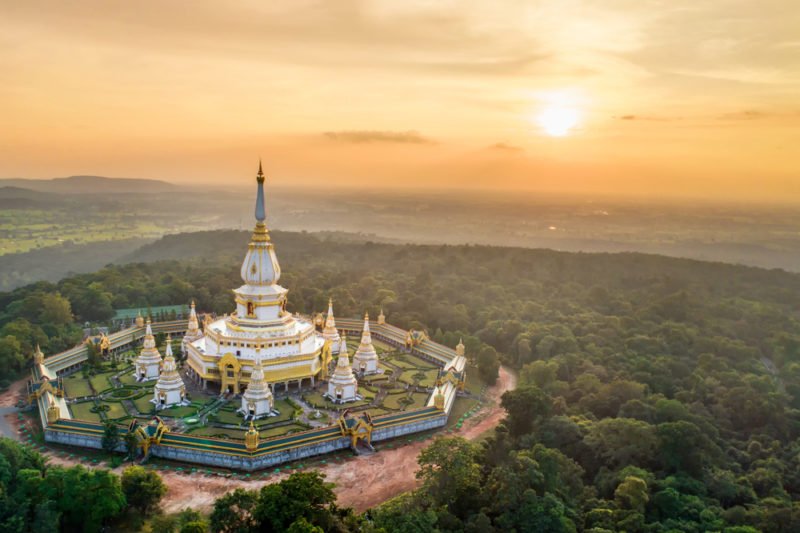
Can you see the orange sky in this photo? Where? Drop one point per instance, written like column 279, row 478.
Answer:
column 685, row 98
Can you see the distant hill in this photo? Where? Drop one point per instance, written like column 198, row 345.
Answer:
column 89, row 185
column 20, row 198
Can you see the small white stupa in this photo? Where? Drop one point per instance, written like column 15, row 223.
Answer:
column 366, row 358
column 169, row 389
column 342, row 385
column 329, row 332
column 257, row 400
column 460, row 347
column 193, row 331
column 148, row 363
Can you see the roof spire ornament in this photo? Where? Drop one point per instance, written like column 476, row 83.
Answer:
column 260, row 214
column 38, row 356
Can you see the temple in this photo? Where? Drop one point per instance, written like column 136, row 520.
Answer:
column 148, row 364
column 366, row 358
column 260, row 329
column 259, row 386
column 330, row 333
column 342, row 385
column 169, row 389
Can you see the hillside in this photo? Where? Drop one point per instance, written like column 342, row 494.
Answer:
column 89, row 185
column 655, row 394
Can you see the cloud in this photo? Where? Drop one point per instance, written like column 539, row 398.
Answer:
column 505, row 147
column 372, row 136
column 747, row 114
column 645, row 118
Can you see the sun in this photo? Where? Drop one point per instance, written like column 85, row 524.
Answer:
column 557, row 121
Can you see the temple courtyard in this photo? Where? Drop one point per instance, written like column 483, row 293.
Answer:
column 405, row 381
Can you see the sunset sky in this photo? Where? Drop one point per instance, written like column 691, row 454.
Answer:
column 695, row 98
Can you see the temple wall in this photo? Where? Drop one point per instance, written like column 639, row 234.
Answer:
column 250, row 463
column 411, row 427
column 74, row 439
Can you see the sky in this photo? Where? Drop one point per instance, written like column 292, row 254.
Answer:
column 676, row 98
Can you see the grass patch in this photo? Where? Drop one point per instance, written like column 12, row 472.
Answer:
column 460, row 406
column 416, row 362
column 101, row 382
column 317, row 400
column 220, row 433
column 178, row 411
column 408, row 376
column 430, row 378
column 281, row 430
column 129, row 380
column 392, row 401
column 419, row 399
column 82, row 411
column 285, row 409
column 115, row 410
column 225, row 416
column 143, row 404
column 77, row 387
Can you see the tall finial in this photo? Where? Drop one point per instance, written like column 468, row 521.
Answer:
column 260, row 216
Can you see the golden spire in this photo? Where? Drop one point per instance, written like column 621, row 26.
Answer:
column 251, row 438
column 38, row 356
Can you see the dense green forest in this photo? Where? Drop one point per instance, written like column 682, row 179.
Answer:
column 656, row 394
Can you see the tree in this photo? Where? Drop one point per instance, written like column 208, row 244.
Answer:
column 488, row 364
column 303, row 494
column 632, row 494
column 526, row 407
column 233, row 512
column 110, row 439
column 143, row 488
column 618, row 442
column 449, row 472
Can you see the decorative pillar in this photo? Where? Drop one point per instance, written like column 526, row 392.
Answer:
column 251, row 438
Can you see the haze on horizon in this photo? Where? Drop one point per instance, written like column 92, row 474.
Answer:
column 666, row 99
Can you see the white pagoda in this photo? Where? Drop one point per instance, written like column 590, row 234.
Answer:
column 366, row 358
column 329, row 332
column 193, row 330
column 342, row 385
column 148, row 363
column 261, row 329
column 169, row 389
column 257, row 400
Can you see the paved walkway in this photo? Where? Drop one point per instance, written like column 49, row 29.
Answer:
column 6, row 430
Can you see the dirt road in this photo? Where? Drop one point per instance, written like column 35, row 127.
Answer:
column 361, row 482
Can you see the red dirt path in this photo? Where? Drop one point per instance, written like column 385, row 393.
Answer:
column 361, row 482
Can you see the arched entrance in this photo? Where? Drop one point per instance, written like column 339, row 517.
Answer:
column 229, row 371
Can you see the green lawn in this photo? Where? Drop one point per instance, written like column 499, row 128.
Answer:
column 408, row 376
column 77, row 387
column 460, row 406
column 82, row 411
column 101, row 382
column 229, row 417
column 179, row 411
column 285, row 409
column 130, row 380
column 416, row 362
column 402, row 363
column 420, row 400
column 281, row 430
column 392, row 401
column 317, row 400
column 221, row 433
column 430, row 378
column 115, row 410
column 143, row 404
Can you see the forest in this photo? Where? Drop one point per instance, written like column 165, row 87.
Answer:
column 655, row 394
